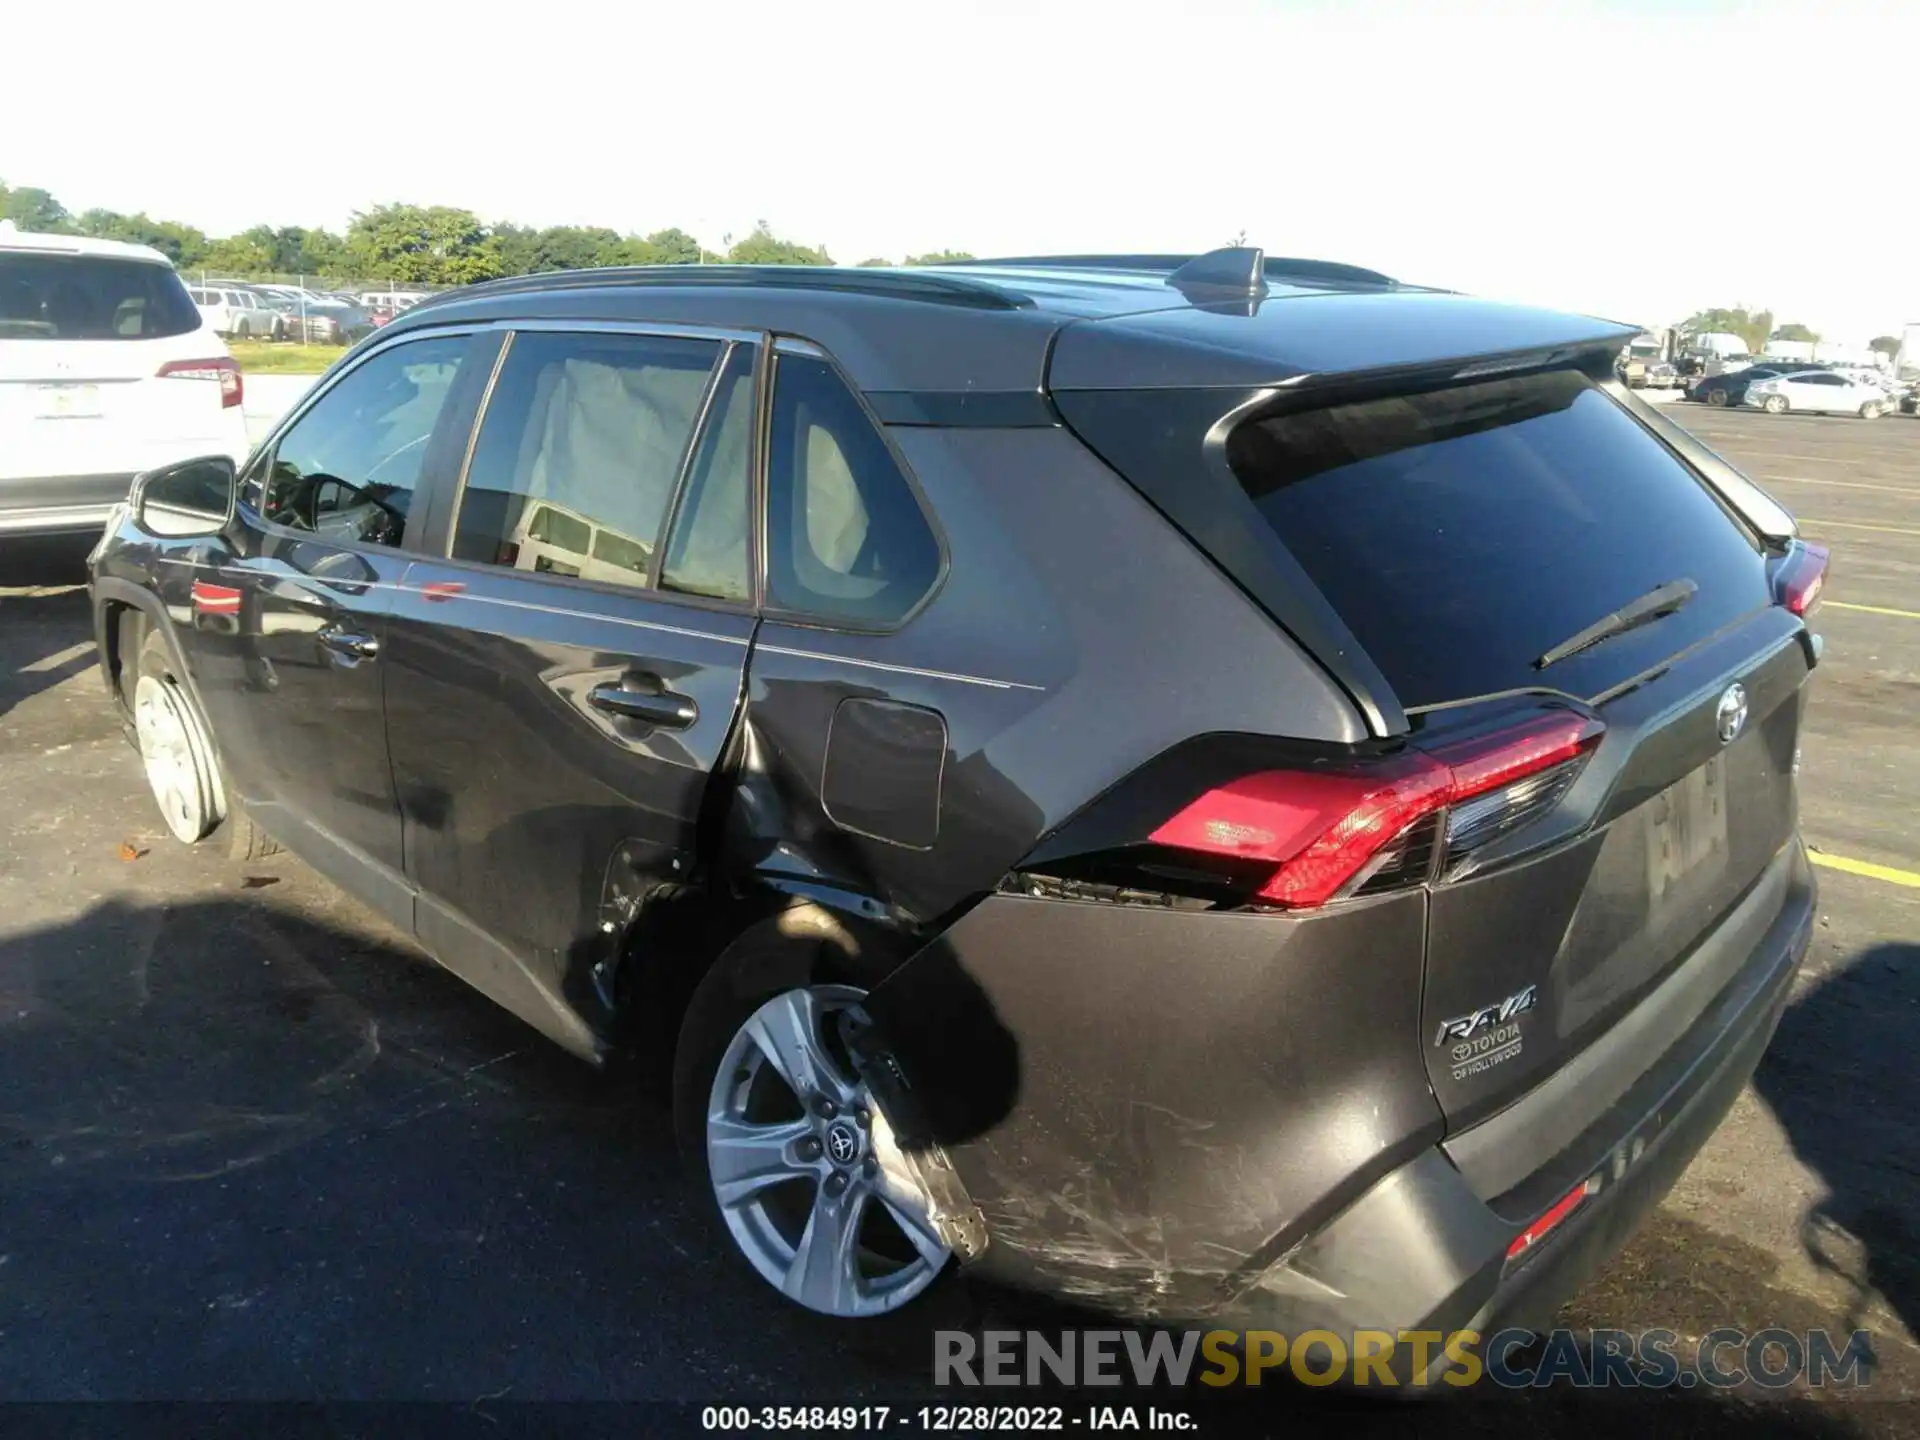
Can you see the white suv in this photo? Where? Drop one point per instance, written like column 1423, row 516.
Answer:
column 237, row 314
column 106, row 369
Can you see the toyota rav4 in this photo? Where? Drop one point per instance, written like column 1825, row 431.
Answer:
column 1226, row 789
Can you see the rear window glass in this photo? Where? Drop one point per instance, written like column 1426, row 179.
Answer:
column 90, row 297
column 1463, row 533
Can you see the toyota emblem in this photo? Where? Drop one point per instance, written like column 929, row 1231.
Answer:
column 842, row 1144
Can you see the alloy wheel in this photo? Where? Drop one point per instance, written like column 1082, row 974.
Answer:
column 805, row 1167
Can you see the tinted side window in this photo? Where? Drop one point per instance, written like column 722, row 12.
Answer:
column 1821, row 380
column 347, row 468
column 708, row 553
column 579, row 453
column 846, row 536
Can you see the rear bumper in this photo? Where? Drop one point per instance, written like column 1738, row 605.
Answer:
column 1221, row 1132
column 1460, row 1276
column 60, row 504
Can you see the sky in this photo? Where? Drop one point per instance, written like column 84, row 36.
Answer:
column 1640, row 159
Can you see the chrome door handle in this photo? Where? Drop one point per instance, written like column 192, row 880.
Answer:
column 345, row 642
column 663, row 708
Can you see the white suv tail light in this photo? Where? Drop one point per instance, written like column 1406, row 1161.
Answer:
column 220, row 367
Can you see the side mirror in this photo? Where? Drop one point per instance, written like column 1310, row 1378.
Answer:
column 193, row 497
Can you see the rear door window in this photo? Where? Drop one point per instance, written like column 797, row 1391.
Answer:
column 1463, row 533
column 580, row 452
column 90, row 297
column 709, row 552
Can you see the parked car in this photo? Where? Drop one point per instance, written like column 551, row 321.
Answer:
column 1730, row 387
column 331, row 323
column 392, row 301
column 237, row 313
column 1218, row 788
column 296, row 295
column 1822, row 391
column 106, row 369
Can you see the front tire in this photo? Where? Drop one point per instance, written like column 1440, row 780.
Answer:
column 175, row 751
column 1717, row 396
column 1775, row 405
column 1870, row 411
column 793, row 1160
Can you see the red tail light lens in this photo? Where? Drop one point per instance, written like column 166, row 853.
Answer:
column 1321, row 829
column 219, row 367
column 1801, row 576
column 1545, row 1225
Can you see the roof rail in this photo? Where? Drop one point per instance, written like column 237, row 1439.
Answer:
column 1273, row 267
column 891, row 284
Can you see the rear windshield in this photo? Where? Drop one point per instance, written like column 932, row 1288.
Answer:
column 90, row 297
column 1463, row 533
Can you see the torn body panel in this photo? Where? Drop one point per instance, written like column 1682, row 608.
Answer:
column 1150, row 1107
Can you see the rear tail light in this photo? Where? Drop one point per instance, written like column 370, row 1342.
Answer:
column 1800, row 576
column 219, row 367
column 1327, row 834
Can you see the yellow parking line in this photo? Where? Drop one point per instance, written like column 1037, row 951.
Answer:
column 1866, row 868
column 1872, row 609
column 1856, row 525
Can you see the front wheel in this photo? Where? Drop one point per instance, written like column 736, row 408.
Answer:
column 1775, row 405
column 1870, row 411
column 175, row 752
column 791, row 1153
column 1717, row 396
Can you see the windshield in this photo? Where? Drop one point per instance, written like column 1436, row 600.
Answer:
column 90, row 297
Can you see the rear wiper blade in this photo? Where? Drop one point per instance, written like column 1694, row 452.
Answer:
column 1662, row 600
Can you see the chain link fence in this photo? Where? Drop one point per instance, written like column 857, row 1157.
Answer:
column 314, row 309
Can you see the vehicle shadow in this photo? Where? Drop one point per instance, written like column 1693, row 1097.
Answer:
column 46, row 630
column 1846, row 1047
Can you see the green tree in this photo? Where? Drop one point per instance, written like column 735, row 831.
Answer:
column 1887, row 345
column 575, row 247
column 877, row 263
column 182, row 244
column 1796, row 332
column 423, row 245
column 763, row 248
column 1752, row 326
column 940, row 257
column 31, row 208
column 514, row 244
column 237, row 255
column 672, row 246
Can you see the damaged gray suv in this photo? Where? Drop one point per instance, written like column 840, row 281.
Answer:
column 1230, row 790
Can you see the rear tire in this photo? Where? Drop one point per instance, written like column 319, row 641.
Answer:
column 1870, row 411
column 1775, row 405
column 763, row 1026
column 175, row 749
column 1717, row 396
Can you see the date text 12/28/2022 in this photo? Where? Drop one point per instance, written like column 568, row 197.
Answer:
column 961, row 1419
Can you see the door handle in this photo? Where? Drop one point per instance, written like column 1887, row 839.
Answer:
column 662, row 708
column 345, row 642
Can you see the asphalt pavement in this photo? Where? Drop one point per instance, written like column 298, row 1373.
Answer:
column 255, row 1148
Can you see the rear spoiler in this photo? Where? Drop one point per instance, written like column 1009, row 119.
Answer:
column 1765, row 515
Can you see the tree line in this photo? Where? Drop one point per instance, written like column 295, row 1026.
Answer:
column 1755, row 328
column 416, row 244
